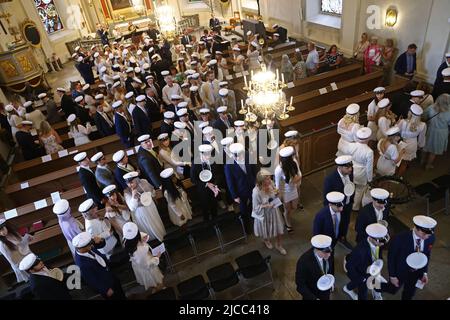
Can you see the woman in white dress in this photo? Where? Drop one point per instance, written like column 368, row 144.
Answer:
column 253, row 57
column 78, row 132
column 116, row 210
column 14, row 119
column 178, row 205
column 14, row 248
column 145, row 266
column 413, row 132
column 385, row 118
column 372, row 110
column 347, row 128
column 170, row 160
column 268, row 222
column 287, row 179
column 390, row 153
column 139, row 198
column 98, row 226
column 223, row 64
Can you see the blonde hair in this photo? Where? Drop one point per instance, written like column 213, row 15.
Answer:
column 413, row 121
column 45, row 128
column 350, row 118
column 260, row 178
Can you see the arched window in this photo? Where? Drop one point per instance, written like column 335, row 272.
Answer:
column 331, row 6
column 49, row 15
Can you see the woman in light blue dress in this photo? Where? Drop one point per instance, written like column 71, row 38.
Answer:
column 438, row 121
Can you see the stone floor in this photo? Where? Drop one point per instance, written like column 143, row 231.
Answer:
column 298, row 242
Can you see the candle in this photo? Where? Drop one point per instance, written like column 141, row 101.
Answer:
column 277, row 75
column 242, row 104
column 292, row 98
column 282, row 78
column 245, row 80
column 284, row 108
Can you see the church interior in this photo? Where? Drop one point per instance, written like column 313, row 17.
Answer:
column 224, row 149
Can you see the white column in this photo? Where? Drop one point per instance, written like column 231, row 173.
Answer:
column 349, row 26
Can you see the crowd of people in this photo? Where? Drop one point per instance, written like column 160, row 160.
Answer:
column 183, row 84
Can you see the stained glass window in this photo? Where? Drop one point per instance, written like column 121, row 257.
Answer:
column 332, row 6
column 49, row 15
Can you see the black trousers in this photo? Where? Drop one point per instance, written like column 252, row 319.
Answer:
column 345, row 220
column 408, row 282
column 245, row 208
column 208, row 203
column 118, row 292
column 361, row 286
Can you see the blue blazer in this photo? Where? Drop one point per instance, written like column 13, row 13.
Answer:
column 358, row 260
column 333, row 182
column 366, row 217
column 97, row 277
column 123, row 129
column 240, row 184
column 103, row 126
column 323, row 224
column 402, row 246
column 141, row 121
column 401, row 65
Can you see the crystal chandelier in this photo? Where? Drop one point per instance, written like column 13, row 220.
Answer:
column 266, row 98
column 138, row 6
column 166, row 21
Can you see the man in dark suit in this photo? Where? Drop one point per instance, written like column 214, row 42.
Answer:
column 214, row 24
column 149, row 162
column 122, row 168
column 28, row 144
column 153, row 32
column 372, row 213
column 103, row 34
column 282, row 32
column 186, row 38
column 328, row 220
column 167, row 124
column 152, row 105
column 406, row 64
column 420, row 239
column 88, row 180
column 361, row 257
column 336, row 181
column 241, row 176
column 103, row 122
column 94, row 267
column 312, row 265
column 443, row 86
column 444, row 65
column 207, row 187
column 123, row 125
column 224, row 122
column 43, row 284
column 67, row 104
column 141, row 119
column 81, row 112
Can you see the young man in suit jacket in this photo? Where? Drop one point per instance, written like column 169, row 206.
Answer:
column 43, row 283
column 104, row 123
column 328, row 220
column 88, row 180
column 336, row 181
column 420, row 239
column 312, row 265
column 149, row 162
column 123, row 125
column 103, row 173
column 361, row 257
column 141, row 119
column 372, row 213
column 224, row 122
column 94, row 267
column 167, row 124
column 406, row 63
column 122, row 168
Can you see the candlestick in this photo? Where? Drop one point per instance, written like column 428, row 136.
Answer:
column 292, row 98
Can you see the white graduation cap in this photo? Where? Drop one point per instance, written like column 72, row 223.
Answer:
column 80, row 156
column 97, row 156
column 27, row 262
column 108, row 189
column 130, row 175
column 352, row 109
column 82, row 240
column 417, row 93
column 379, row 90
column 286, row 152
column 129, row 95
column 424, row 222
column 325, row 282
column 376, row 231
column 163, row 136
column 416, row 110
column 343, row 160
column 364, row 133
column 79, row 99
column 223, row 92
column 143, row 138
column 166, row 173
column 236, row 148
column 384, row 103
column 117, row 104
column 392, row 131
column 204, row 148
column 118, row 156
column 169, row 115
column 130, row 230
column 417, row 260
column 335, row 197
column 226, row 141
column 61, row 206
column 140, row 98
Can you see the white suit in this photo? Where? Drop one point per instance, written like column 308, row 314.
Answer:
column 362, row 170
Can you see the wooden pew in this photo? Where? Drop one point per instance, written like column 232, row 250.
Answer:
column 319, row 137
column 24, row 170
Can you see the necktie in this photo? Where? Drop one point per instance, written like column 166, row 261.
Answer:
column 324, row 266
column 108, row 120
column 375, row 253
column 227, row 124
column 418, row 242
column 336, row 224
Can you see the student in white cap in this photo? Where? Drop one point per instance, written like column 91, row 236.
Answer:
column 97, row 226
column 171, row 159
column 148, row 161
column 287, row 178
column 178, row 205
column 116, row 210
column 34, row 115
column 70, row 227
column 53, row 115
column 375, row 212
column 268, row 221
column 347, row 128
column 88, row 180
column 418, row 240
column 167, row 124
column 390, row 152
column 209, row 91
column 13, row 119
column 356, row 263
column 438, row 121
column 103, row 121
column 139, row 198
column 363, row 157
column 123, row 166
column 224, row 122
column 31, row 148
column 442, row 67
column 123, row 124
column 45, row 284
column 224, row 99
column 240, row 176
column 372, row 111
column 330, row 220
column 253, row 57
column 171, row 88
column 144, row 264
column 103, row 173
column 240, row 133
column 413, row 132
column 78, row 132
column 141, row 117
column 237, row 60
column 94, row 267
column 312, row 265
column 14, row 248
column 385, row 118
column 442, row 87
column 341, row 181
